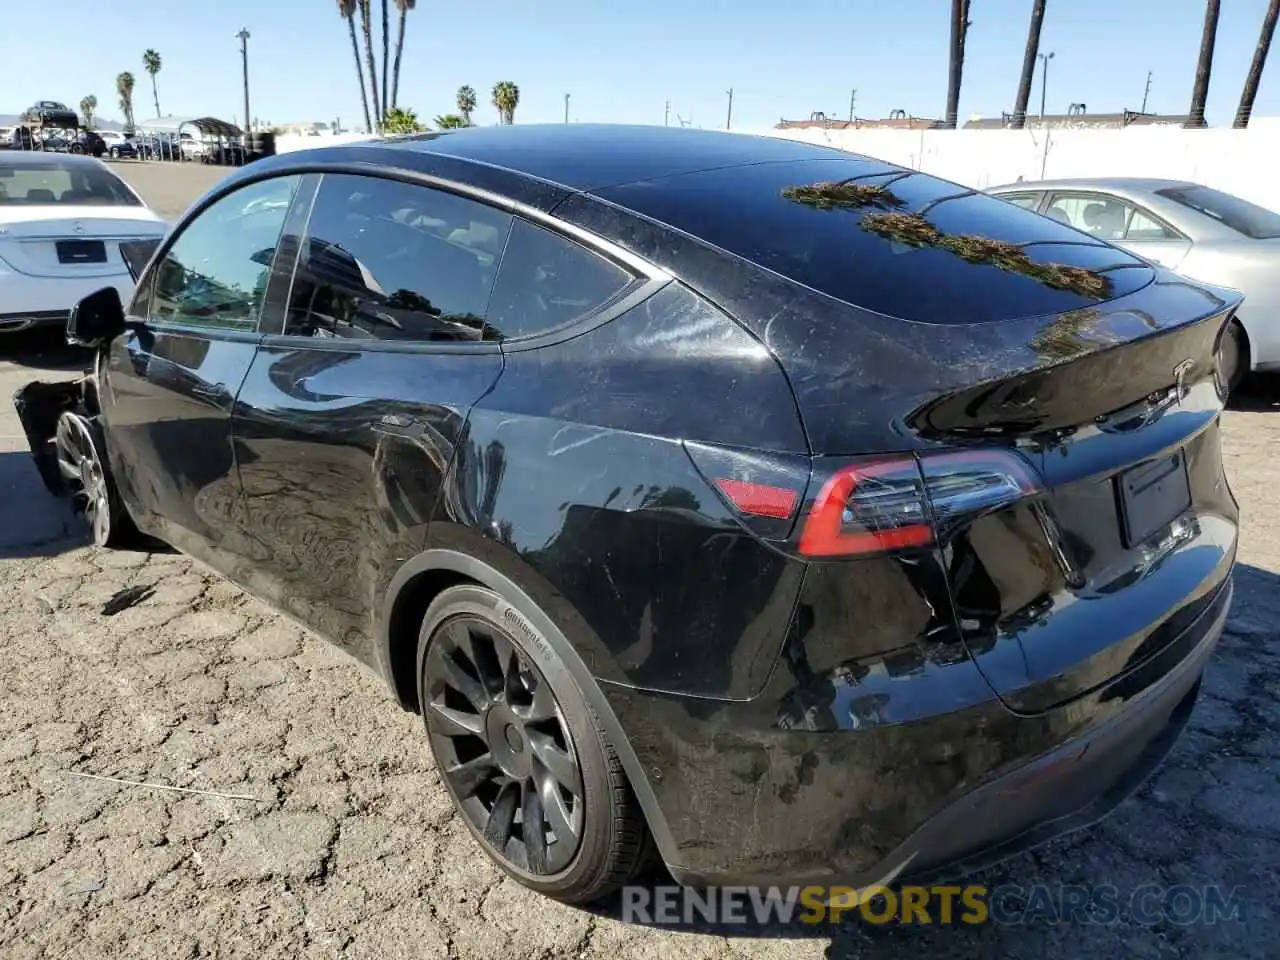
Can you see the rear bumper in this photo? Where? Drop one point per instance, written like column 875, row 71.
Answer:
column 27, row 301
column 937, row 797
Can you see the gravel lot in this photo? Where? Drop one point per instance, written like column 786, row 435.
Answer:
column 348, row 846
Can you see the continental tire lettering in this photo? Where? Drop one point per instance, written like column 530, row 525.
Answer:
column 515, row 618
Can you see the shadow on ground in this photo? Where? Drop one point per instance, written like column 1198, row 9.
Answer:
column 44, row 348
column 1143, row 842
column 1259, row 393
column 33, row 522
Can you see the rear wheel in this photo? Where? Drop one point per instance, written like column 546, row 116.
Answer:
column 83, row 465
column 521, row 753
column 1233, row 356
column 115, row 153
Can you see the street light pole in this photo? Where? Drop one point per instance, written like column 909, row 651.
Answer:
column 1044, row 78
column 728, row 120
column 566, row 108
column 243, row 36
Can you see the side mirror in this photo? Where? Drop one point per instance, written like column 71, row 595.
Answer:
column 96, row 319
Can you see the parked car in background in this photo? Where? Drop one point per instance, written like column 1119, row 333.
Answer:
column 62, row 221
column 1200, row 232
column 85, row 141
column 118, row 145
column 801, row 516
column 51, row 113
column 157, row 147
column 194, row 148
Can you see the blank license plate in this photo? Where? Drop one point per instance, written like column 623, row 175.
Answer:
column 1153, row 496
column 82, row 251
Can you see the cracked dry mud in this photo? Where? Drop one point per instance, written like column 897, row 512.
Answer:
column 350, row 848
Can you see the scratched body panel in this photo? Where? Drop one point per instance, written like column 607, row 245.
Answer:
column 341, row 454
column 607, row 509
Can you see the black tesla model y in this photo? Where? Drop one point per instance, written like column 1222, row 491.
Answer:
column 786, row 514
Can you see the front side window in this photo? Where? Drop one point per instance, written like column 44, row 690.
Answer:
column 1106, row 218
column 395, row 261
column 215, row 273
column 547, row 281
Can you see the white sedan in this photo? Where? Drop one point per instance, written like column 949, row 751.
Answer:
column 63, row 219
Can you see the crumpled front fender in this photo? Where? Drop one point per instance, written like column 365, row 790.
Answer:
column 39, row 405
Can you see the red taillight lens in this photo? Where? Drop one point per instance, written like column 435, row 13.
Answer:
column 759, row 499
column 895, row 503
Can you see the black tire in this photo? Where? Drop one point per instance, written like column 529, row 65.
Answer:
column 82, row 461
column 483, row 671
column 1234, row 357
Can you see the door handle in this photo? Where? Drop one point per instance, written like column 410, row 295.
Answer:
column 217, row 392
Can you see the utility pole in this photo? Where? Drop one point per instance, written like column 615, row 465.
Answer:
column 243, row 36
column 566, row 108
column 1146, row 93
column 1044, row 79
column 728, row 120
column 853, row 96
column 666, row 115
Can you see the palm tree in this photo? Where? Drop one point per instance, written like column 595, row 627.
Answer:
column 151, row 60
column 1251, row 82
column 959, row 30
column 466, row 102
column 1200, row 93
column 506, row 97
column 1028, row 65
column 347, row 10
column 124, row 87
column 404, row 6
column 366, row 25
column 386, row 62
column 451, row 121
column 87, row 106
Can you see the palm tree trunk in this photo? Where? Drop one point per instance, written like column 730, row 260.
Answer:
column 1028, row 65
column 367, row 24
column 1245, row 110
column 155, row 94
column 400, row 49
column 959, row 27
column 364, row 94
column 1200, row 93
column 386, row 61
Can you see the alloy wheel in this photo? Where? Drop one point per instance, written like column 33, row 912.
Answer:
column 503, row 746
column 82, row 469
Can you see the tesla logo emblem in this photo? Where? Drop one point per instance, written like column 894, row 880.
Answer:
column 1179, row 379
column 77, row 227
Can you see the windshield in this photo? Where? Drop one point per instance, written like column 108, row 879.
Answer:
column 46, row 182
column 1240, row 215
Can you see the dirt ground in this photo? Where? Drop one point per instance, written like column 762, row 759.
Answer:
column 336, row 838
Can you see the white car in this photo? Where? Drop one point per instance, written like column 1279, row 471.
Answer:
column 63, row 219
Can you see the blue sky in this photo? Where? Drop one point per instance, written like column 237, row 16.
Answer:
column 623, row 61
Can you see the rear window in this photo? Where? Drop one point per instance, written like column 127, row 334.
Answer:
column 897, row 242
column 1240, row 215
column 44, row 182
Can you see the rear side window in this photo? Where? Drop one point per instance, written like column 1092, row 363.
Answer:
column 897, row 242
column 395, row 261
column 547, row 281
column 1027, row 201
column 1240, row 215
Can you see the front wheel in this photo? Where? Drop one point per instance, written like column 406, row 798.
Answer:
column 521, row 753
column 83, row 464
column 115, row 153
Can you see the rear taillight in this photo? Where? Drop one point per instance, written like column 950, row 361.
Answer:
column 895, row 503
